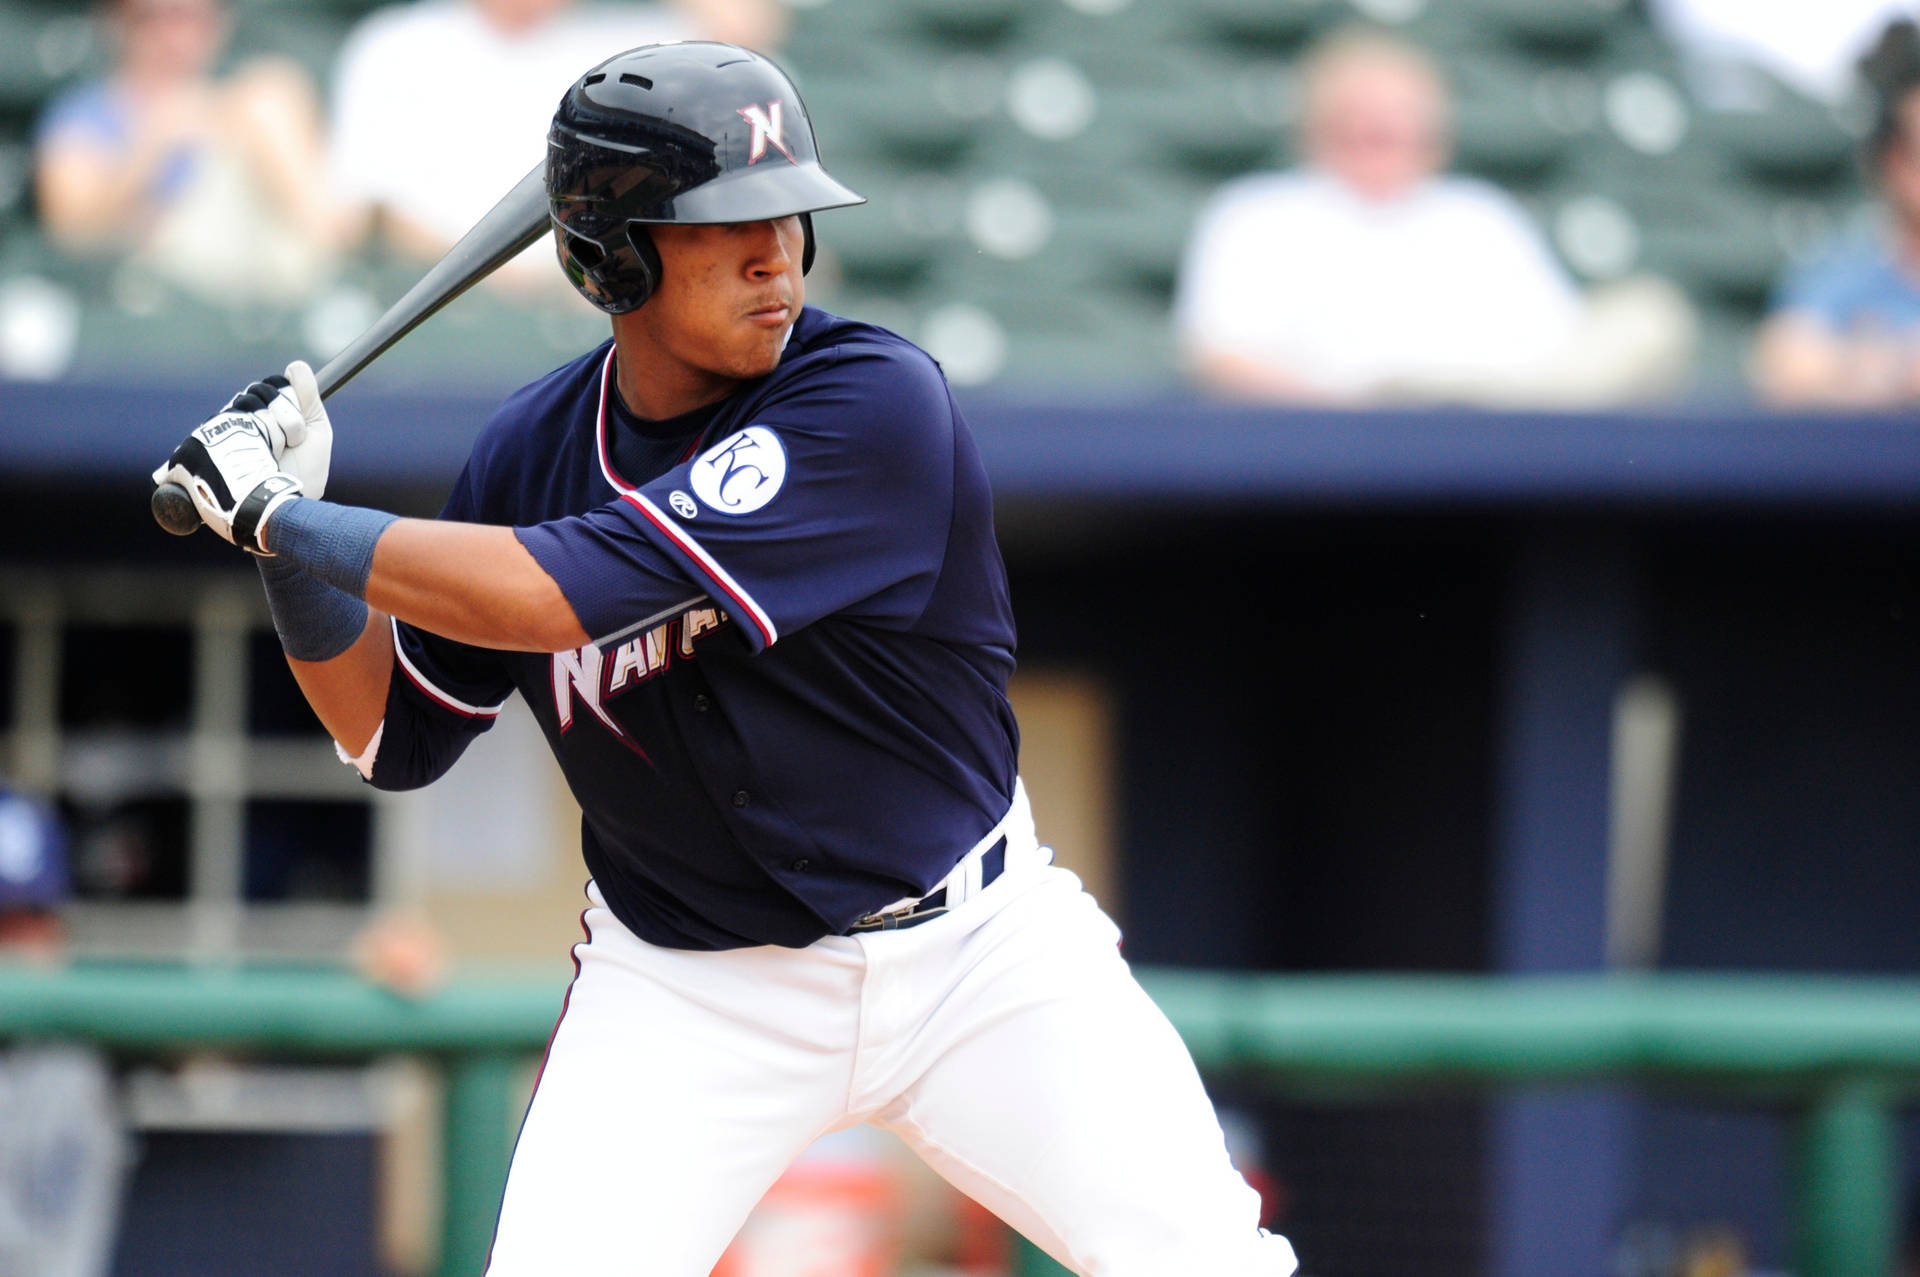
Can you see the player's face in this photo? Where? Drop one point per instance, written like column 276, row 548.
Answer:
column 728, row 294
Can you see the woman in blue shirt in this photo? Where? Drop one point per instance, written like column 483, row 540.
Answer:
column 214, row 184
column 1845, row 327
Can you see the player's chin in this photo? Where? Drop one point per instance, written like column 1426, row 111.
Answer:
column 757, row 353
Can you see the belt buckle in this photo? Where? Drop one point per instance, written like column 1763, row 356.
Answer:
column 886, row 920
column 890, row 920
column 935, row 901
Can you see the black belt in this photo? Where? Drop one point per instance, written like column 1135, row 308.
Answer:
column 992, row 864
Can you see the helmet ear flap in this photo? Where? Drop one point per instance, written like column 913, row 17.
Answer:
column 645, row 276
column 806, row 251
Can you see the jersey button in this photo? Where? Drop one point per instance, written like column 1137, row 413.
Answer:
column 802, row 865
column 741, row 798
column 702, row 702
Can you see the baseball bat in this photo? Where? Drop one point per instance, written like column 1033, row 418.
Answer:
column 515, row 222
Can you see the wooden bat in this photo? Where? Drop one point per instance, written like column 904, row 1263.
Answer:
column 515, row 222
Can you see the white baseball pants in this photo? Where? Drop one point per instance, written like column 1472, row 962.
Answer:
column 1006, row 1042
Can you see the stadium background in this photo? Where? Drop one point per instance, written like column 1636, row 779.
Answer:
column 1310, row 691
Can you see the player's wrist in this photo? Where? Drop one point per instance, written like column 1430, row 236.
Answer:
column 251, row 516
column 334, row 543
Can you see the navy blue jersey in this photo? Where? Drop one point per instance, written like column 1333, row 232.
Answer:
column 793, row 711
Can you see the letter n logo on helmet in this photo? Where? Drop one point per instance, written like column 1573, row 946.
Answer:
column 768, row 125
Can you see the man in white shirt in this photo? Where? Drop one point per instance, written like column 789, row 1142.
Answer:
column 1367, row 274
column 440, row 106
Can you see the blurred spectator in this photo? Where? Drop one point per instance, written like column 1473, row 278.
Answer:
column 35, row 879
column 212, row 183
column 63, row 1147
column 474, row 83
column 1845, row 328
column 1367, row 275
column 402, row 951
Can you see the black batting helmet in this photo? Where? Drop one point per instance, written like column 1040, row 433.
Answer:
column 691, row 132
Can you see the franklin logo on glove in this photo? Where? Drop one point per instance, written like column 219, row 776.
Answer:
column 270, row 444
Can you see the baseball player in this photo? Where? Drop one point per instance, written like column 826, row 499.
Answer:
column 740, row 562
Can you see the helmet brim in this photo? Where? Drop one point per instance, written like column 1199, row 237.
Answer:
column 758, row 195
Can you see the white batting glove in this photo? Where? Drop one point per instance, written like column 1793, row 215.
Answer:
column 295, row 419
column 309, row 457
column 227, row 466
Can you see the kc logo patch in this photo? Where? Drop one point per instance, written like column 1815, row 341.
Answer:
column 769, row 129
column 741, row 473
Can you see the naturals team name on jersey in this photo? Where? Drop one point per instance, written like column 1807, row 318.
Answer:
column 592, row 677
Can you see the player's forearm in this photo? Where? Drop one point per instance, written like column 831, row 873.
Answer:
column 465, row 581
column 341, row 655
column 349, row 692
column 473, row 583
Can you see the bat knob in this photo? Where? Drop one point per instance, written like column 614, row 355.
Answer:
column 174, row 510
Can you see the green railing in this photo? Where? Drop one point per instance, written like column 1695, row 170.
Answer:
column 1845, row 1052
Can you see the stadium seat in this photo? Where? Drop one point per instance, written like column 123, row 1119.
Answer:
column 1140, row 42
column 1256, row 26
column 893, row 112
column 1719, row 243
column 1062, row 333
column 1504, row 126
column 16, row 175
column 973, row 24
column 1136, row 246
column 309, row 34
column 889, row 243
column 1566, row 27
column 25, row 250
column 839, row 38
column 154, row 327
column 1723, row 349
column 493, row 337
column 42, row 48
column 1793, row 142
column 1207, row 129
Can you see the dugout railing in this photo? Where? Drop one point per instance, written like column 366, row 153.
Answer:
column 1844, row 1053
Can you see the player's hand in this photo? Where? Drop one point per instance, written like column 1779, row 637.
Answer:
column 295, row 419
column 227, row 466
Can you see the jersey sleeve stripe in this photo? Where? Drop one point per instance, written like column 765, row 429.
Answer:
column 445, row 699
column 711, row 566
